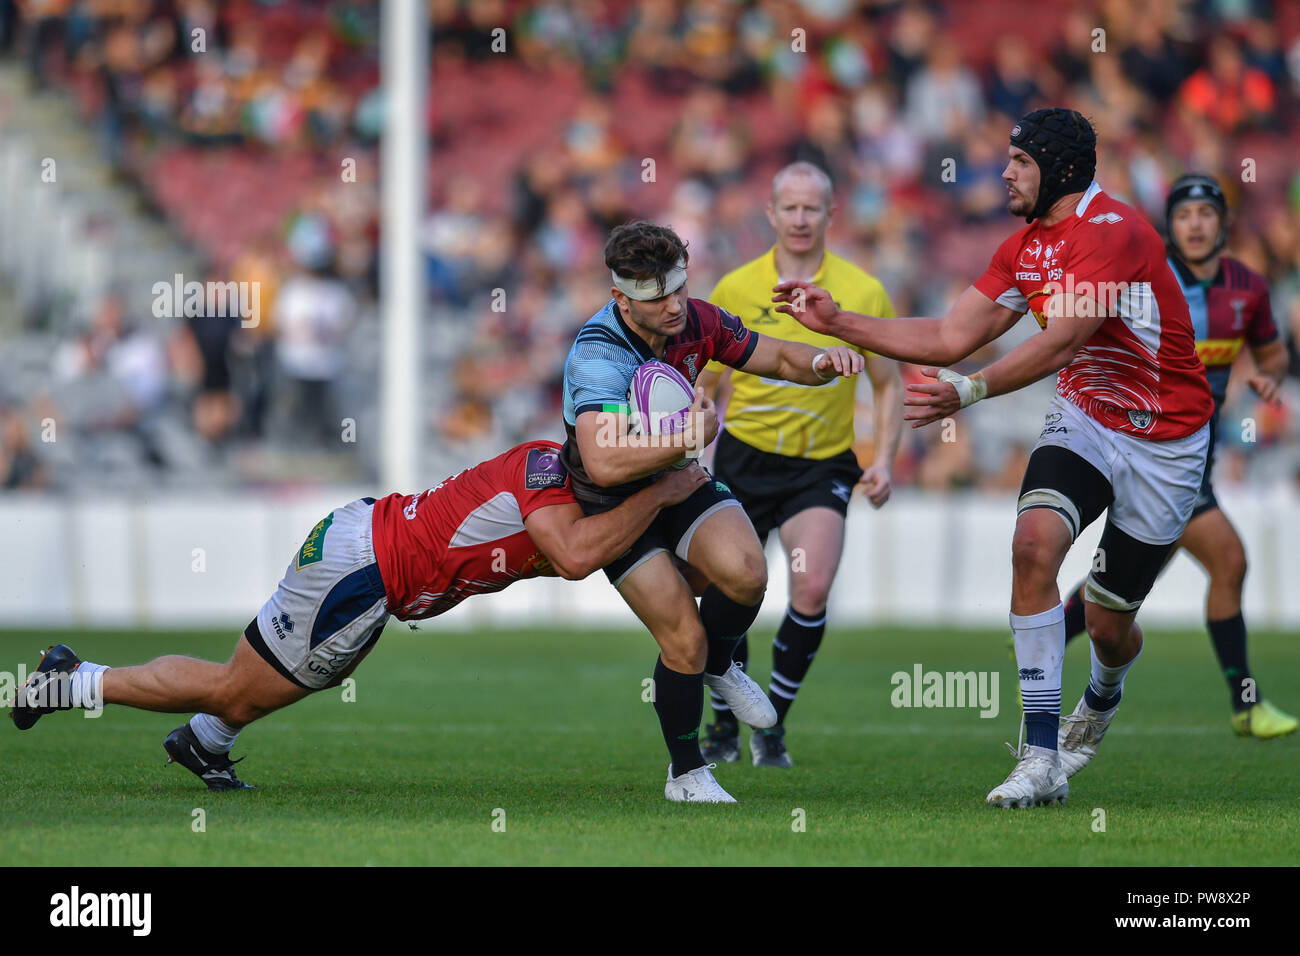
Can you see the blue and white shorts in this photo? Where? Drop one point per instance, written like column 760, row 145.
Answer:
column 331, row 604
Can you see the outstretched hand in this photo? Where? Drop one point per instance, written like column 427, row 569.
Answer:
column 811, row 305
column 930, row 402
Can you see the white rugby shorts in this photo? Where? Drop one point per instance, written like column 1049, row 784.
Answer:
column 330, row 604
column 1155, row 483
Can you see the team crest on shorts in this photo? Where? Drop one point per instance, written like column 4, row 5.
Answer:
column 545, row 470
column 1140, row 419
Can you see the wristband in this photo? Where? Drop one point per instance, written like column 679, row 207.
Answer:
column 969, row 390
column 817, row 358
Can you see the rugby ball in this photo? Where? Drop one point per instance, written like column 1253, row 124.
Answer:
column 659, row 400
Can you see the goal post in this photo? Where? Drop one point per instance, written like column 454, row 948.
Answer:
column 404, row 72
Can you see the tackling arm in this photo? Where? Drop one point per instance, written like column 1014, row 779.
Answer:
column 577, row 544
column 613, row 457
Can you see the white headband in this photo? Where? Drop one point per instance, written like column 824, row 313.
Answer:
column 645, row 289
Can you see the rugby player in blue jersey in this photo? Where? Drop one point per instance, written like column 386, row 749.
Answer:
column 650, row 316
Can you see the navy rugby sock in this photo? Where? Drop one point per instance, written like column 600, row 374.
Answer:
column 679, row 702
column 725, row 622
column 1229, row 639
column 1074, row 616
column 792, row 654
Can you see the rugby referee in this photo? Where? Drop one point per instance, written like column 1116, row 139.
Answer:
column 786, row 450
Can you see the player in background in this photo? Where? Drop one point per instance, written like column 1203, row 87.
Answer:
column 650, row 316
column 411, row 556
column 1230, row 308
column 785, row 450
column 1126, row 433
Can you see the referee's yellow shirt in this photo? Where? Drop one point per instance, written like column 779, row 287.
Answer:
column 800, row 421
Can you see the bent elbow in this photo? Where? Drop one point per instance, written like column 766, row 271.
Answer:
column 575, row 571
column 599, row 473
column 950, row 356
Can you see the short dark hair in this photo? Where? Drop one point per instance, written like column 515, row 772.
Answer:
column 644, row 250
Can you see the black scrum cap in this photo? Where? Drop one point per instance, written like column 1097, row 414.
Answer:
column 1064, row 146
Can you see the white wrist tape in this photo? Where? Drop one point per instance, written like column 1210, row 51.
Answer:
column 969, row 390
column 817, row 358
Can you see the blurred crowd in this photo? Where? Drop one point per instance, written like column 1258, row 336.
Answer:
column 591, row 112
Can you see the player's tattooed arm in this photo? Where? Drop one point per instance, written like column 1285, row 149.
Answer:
column 613, row 457
column 797, row 362
column 576, row 545
column 974, row 320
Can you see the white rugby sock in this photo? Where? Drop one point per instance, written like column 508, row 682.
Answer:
column 86, row 686
column 214, row 733
column 1040, row 654
column 1107, row 682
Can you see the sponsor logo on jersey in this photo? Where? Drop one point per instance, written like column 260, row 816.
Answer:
column 313, row 549
column 1107, row 217
column 1031, row 276
column 540, row 564
column 1217, row 351
column 1140, row 418
column 1031, row 252
column 544, row 470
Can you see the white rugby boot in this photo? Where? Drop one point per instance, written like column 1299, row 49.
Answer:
column 696, row 786
column 746, row 699
column 1080, row 734
column 1036, row 781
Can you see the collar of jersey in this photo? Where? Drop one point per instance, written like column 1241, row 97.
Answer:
column 1080, row 208
column 1187, row 279
column 638, row 344
column 776, row 276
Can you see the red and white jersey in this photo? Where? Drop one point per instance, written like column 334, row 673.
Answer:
column 466, row 536
column 1139, row 372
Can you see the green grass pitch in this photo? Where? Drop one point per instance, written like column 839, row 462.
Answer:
column 536, row 748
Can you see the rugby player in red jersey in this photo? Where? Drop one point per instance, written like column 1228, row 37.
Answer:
column 1230, row 309
column 409, row 556
column 1127, row 430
